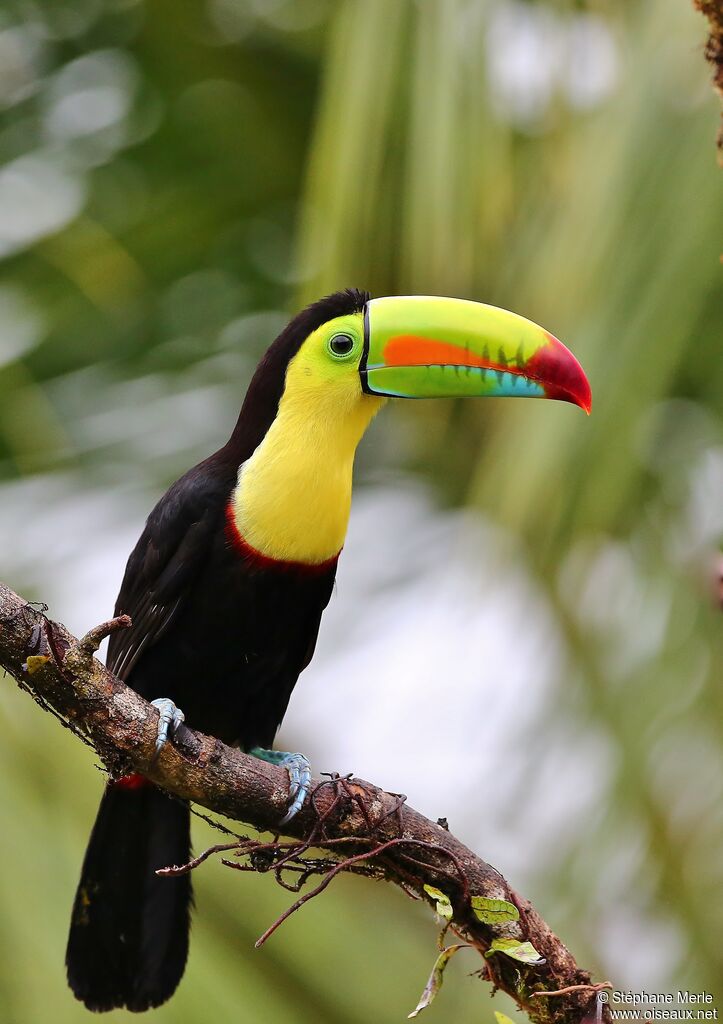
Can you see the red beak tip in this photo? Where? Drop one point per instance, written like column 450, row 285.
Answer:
column 580, row 394
column 584, row 400
column 561, row 374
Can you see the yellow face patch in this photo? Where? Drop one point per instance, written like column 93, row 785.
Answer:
column 326, row 367
column 293, row 495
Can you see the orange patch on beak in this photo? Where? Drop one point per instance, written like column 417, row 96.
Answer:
column 413, row 350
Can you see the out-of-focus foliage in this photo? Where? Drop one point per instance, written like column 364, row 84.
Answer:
column 173, row 176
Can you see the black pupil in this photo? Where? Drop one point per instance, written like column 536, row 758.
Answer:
column 342, row 344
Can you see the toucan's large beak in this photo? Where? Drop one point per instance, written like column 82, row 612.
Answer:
column 425, row 346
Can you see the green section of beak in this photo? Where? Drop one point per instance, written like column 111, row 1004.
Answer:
column 425, row 346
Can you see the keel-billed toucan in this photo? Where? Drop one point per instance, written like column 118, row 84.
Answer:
column 233, row 570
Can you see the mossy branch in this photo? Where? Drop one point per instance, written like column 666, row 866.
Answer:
column 360, row 826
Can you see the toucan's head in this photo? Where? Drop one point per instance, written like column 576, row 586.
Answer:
column 349, row 350
column 426, row 346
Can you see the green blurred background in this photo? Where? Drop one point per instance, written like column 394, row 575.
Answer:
column 525, row 623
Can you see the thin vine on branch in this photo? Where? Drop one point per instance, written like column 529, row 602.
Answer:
column 347, row 824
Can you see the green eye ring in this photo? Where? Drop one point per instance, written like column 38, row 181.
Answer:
column 341, row 345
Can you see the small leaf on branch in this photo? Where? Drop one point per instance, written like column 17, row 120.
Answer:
column 436, row 977
column 502, row 1018
column 523, row 951
column 491, row 911
column 441, row 902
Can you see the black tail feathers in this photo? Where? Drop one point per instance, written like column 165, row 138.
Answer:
column 128, row 939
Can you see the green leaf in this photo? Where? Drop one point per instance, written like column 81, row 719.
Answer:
column 494, row 911
column 523, row 951
column 441, row 900
column 502, row 1018
column 435, row 979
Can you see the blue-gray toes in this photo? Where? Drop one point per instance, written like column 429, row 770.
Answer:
column 299, row 769
column 169, row 719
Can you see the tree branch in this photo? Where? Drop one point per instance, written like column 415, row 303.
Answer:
column 713, row 10
column 360, row 826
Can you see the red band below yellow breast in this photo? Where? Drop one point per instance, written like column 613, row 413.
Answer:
column 263, row 562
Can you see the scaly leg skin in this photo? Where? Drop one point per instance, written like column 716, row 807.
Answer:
column 169, row 718
column 299, row 770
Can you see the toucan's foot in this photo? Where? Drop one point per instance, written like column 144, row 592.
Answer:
column 169, row 718
column 299, row 770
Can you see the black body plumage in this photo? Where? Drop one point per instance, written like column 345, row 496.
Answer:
column 225, row 639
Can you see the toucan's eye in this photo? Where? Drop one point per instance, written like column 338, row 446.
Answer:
column 341, row 345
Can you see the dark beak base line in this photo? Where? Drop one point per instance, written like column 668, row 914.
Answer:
column 365, row 354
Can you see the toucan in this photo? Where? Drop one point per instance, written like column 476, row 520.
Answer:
column 228, row 581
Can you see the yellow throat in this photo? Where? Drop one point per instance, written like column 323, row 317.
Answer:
column 293, row 495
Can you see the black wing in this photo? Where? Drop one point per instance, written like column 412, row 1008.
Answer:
column 164, row 563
